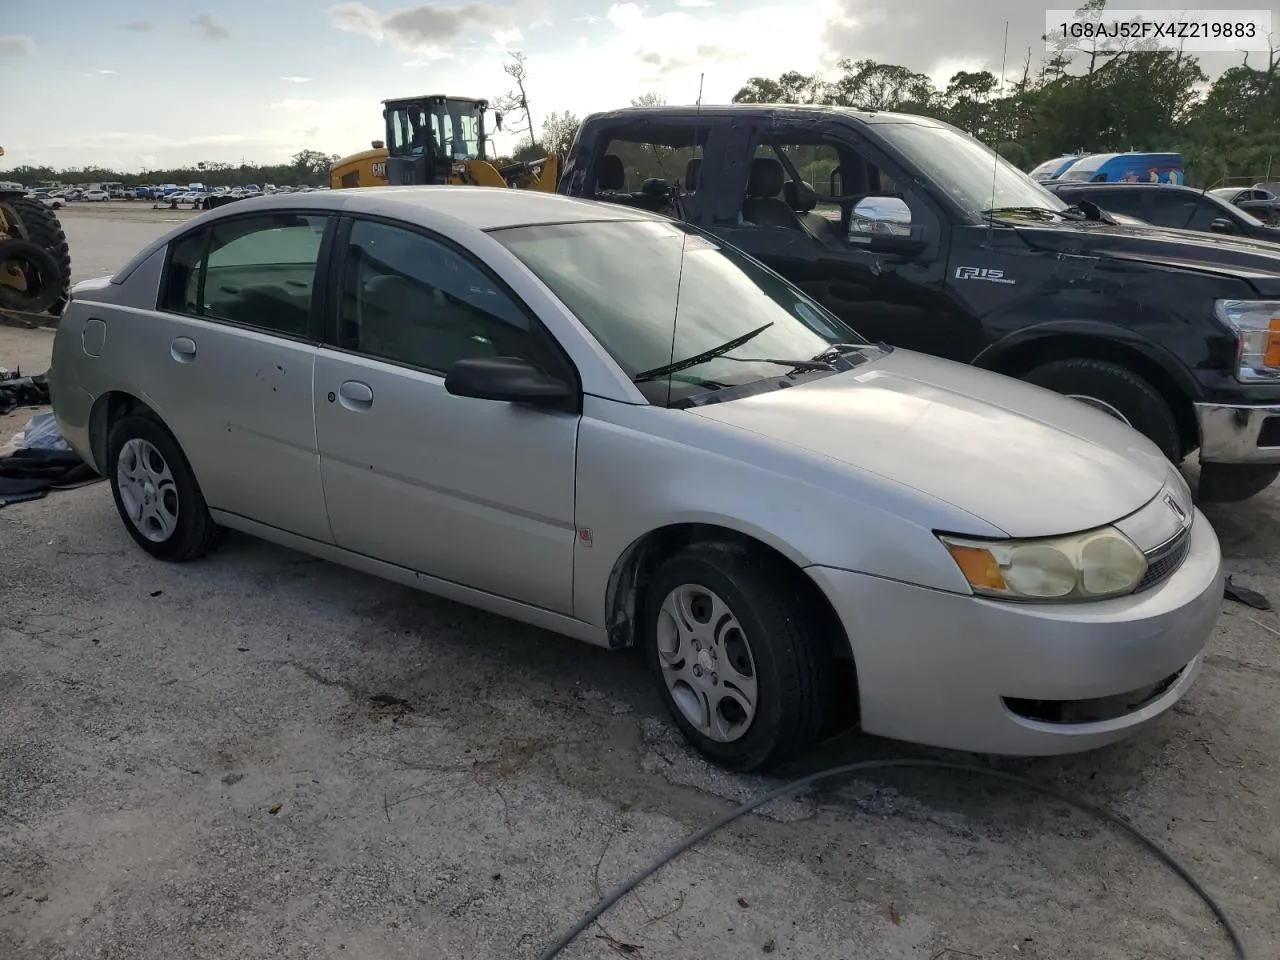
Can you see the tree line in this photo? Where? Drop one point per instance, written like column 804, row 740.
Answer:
column 1083, row 96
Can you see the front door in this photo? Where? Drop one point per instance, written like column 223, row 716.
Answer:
column 788, row 205
column 476, row 492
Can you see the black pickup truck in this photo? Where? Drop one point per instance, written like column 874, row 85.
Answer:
column 919, row 236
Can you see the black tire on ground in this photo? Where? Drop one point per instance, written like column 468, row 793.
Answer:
column 792, row 660
column 1119, row 388
column 32, row 221
column 38, row 266
column 1233, row 482
column 195, row 532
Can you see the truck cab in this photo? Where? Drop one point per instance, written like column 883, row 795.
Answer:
column 918, row 235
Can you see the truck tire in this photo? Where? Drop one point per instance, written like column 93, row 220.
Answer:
column 40, row 269
column 32, row 221
column 1233, row 482
column 1118, row 391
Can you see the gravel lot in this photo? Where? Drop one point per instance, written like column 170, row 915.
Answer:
column 264, row 756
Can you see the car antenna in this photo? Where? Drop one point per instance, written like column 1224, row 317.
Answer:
column 995, row 164
column 684, row 240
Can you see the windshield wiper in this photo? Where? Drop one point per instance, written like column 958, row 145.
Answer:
column 1069, row 213
column 703, row 357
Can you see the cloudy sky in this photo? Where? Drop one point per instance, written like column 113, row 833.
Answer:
column 147, row 83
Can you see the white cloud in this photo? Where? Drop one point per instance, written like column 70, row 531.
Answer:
column 138, row 26
column 695, row 3
column 291, row 104
column 105, row 72
column 416, row 29
column 16, row 45
column 210, row 28
column 296, row 79
column 507, row 36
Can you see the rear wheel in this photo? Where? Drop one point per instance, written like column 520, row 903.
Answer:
column 156, row 492
column 740, row 660
column 1118, row 392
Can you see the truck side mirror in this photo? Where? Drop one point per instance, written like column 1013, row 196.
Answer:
column 883, row 225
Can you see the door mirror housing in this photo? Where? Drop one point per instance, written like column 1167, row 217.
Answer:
column 883, row 225
column 1222, row 225
column 509, row 379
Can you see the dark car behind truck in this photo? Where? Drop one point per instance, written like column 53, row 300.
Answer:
column 918, row 235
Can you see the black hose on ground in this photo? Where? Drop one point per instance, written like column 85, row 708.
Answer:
column 796, row 785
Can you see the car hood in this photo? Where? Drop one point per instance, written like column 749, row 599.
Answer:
column 1023, row 459
column 1255, row 261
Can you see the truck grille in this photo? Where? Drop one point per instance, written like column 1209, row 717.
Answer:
column 1164, row 560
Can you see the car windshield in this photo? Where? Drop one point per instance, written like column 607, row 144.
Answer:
column 620, row 278
column 1086, row 168
column 970, row 172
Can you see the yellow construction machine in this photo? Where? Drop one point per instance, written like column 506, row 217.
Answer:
column 35, row 259
column 439, row 139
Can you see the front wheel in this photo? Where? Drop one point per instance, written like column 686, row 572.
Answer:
column 156, row 492
column 1118, row 392
column 740, row 660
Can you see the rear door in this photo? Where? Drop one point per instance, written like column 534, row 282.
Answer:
column 476, row 492
column 231, row 366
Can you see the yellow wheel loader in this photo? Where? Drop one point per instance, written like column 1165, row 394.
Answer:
column 35, row 258
column 439, row 139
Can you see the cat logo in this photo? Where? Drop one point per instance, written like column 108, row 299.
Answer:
column 380, row 170
column 982, row 273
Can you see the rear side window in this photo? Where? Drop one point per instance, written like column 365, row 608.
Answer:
column 257, row 272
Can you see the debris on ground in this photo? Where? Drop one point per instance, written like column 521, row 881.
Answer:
column 1252, row 598
column 19, row 391
column 38, row 460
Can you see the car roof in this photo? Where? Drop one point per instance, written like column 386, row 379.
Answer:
column 798, row 110
column 449, row 207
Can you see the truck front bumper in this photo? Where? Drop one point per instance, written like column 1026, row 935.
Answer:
column 1244, row 434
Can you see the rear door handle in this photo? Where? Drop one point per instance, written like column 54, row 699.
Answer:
column 183, row 349
column 355, row 395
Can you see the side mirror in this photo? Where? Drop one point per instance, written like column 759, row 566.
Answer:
column 883, row 224
column 509, row 379
column 1222, row 225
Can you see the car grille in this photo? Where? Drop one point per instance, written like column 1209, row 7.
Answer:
column 1164, row 560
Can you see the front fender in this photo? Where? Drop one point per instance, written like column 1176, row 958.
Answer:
column 1003, row 355
column 642, row 469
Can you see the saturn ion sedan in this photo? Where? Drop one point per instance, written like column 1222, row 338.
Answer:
column 598, row 421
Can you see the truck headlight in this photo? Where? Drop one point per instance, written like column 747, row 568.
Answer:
column 1256, row 324
column 1085, row 566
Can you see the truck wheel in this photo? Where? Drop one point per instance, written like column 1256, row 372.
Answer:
column 1118, row 391
column 32, row 221
column 741, row 662
column 1233, row 482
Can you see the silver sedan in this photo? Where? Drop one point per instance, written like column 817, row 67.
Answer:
column 601, row 422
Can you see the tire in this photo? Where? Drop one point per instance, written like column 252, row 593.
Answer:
column 40, row 270
column 1130, row 398
column 175, row 525
column 32, row 221
column 778, row 644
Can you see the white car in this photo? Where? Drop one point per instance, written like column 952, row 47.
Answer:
column 95, row 196
column 598, row 421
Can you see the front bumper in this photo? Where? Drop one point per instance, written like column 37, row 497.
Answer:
column 957, row 671
column 1239, row 434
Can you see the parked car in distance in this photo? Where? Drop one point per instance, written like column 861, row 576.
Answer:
column 915, row 233
column 1133, row 167
column 628, row 432
column 1263, row 204
column 1054, row 168
column 1166, row 205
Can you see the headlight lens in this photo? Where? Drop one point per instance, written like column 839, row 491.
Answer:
column 1256, row 324
column 1087, row 566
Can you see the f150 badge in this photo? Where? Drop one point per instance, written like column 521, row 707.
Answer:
column 982, row 273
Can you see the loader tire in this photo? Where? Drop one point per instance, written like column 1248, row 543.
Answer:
column 32, row 221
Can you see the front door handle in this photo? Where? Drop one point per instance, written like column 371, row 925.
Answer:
column 183, row 349
column 355, row 395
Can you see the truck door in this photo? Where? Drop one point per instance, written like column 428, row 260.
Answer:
column 803, row 195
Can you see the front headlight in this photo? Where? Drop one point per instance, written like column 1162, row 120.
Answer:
column 1085, row 566
column 1256, row 324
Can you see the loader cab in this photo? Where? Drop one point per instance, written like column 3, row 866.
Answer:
column 427, row 136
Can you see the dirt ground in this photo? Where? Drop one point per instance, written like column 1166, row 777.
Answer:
column 264, row 756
